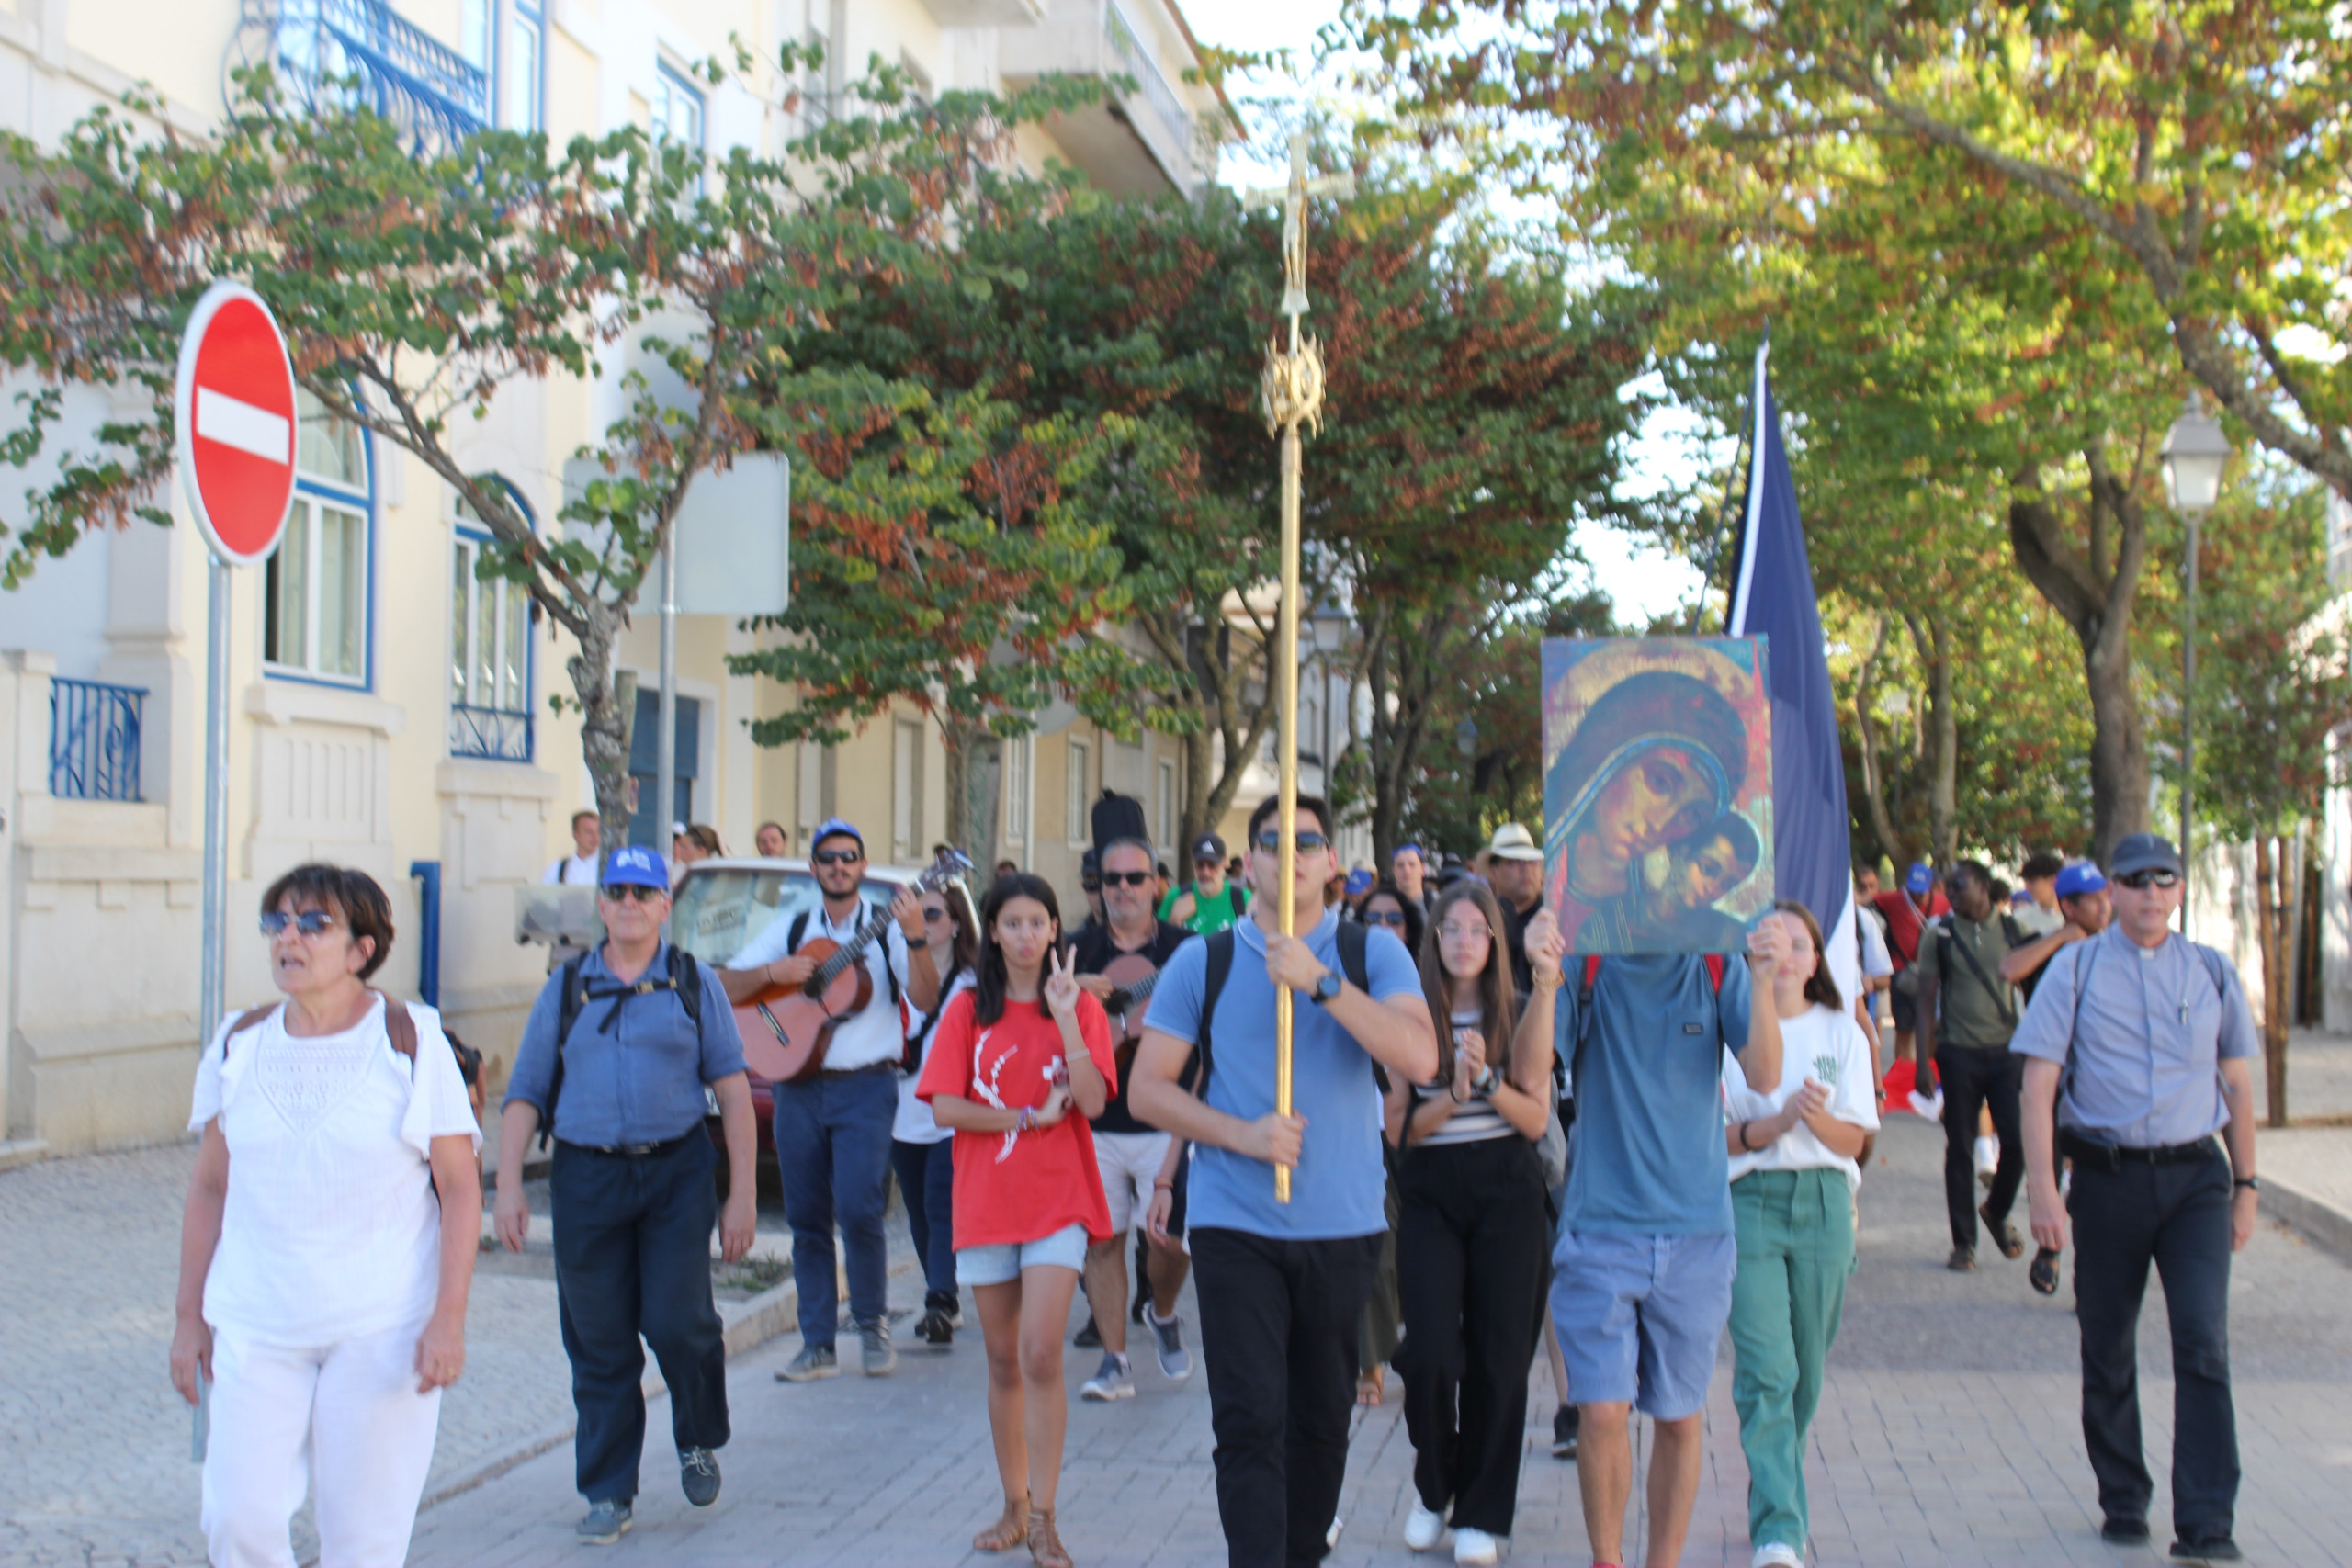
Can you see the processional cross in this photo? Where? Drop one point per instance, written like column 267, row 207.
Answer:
column 1292, row 387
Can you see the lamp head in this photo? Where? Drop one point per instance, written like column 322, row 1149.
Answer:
column 2194, row 454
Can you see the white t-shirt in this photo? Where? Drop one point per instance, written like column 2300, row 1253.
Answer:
column 2034, row 920
column 331, row 1230
column 873, row 1035
column 914, row 1122
column 1829, row 1048
column 571, row 870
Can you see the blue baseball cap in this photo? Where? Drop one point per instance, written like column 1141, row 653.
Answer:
column 1359, row 884
column 1404, row 848
column 834, row 827
column 1918, row 879
column 2078, row 877
column 633, row 866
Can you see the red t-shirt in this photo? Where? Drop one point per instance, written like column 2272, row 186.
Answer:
column 1905, row 919
column 1019, row 1187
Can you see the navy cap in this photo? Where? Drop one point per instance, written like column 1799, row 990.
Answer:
column 1208, row 847
column 834, row 828
column 2143, row 852
column 2078, row 877
column 633, row 866
column 1918, row 879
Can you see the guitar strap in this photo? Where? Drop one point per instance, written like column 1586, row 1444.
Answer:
column 800, row 929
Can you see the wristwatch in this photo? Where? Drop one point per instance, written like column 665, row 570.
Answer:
column 1485, row 1082
column 1327, row 989
column 2252, row 1182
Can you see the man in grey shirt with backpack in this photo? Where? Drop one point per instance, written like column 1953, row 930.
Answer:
column 1967, row 1013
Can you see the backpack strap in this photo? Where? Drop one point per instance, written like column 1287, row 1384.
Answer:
column 910, row 1059
column 247, row 1020
column 569, row 999
column 685, row 978
column 400, row 1025
column 1717, row 966
column 1353, row 937
column 1220, row 964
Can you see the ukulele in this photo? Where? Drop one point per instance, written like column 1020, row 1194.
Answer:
column 802, row 1018
column 1134, row 974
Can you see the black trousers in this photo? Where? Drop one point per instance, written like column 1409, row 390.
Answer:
column 632, row 1258
column 1278, row 1327
column 2176, row 1216
column 1473, row 1255
column 1973, row 1076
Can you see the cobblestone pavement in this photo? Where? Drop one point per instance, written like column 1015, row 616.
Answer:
column 1949, row 1435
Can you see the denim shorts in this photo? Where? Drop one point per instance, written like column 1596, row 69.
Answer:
column 1639, row 1316
column 1002, row 1263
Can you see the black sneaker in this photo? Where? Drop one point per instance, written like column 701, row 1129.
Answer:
column 605, row 1523
column 2124, row 1532
column 937, row 1330
column 698, row 1476
column 2220, row 1548
column 1565, row 1423
column 1089, row 1338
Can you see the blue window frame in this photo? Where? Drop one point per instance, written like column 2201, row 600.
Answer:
column 318, row 589
column 677, row 109
column 491, row 653
column 526, row 60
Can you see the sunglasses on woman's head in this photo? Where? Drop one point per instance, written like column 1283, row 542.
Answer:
column 1126, row 878
column 629, row 892
column 309, row 922
column 1385, row 917
column 836, row 857
column 2140, row 880
column 1272, row 842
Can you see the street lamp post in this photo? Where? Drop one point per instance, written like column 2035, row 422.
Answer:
column 2194, row 454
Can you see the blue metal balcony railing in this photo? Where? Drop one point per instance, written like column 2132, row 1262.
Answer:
column 94, row 740
column 1136, row 60
column 493, row 734
column 364, row 53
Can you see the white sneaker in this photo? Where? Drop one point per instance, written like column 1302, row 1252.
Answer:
column 1474, row 1548
column 1988, row 1158
column 1422, row 1528
column 1777, row 1554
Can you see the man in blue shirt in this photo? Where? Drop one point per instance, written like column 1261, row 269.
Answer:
column 2137, row 1052
column 631, row 1185
column 1643, row 1266
column 1281, row 1286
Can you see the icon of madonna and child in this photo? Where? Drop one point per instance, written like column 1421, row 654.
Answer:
column 1658, row 803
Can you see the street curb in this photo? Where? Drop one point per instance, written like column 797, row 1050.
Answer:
column 2321, row 1222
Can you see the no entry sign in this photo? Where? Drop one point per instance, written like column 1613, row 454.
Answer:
column 235, row 423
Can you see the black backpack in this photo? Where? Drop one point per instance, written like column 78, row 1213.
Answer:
column 684, row 977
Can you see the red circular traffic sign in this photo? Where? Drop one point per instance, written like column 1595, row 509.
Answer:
column 236, row 424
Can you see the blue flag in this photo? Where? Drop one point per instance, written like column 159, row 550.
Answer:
column 1772, row 597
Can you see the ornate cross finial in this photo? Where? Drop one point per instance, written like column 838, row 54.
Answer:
column 1292, row 385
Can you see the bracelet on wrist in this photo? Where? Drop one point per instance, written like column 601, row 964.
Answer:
column 1027, row 1121
column 1164, row 1184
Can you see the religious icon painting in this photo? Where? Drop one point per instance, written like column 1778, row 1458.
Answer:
column 1657, row 792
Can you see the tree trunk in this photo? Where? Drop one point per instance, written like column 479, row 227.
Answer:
column 1941, row 723
column 2269, row 873
column 1890, row 842
column 605, row 721
column 970, row 752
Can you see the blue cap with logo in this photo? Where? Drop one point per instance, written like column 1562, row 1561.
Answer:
column 1918, row 879
column 633, row 865
column 834, row 828
column 1359, row 884
column 2078, row 877
column 1408, row 847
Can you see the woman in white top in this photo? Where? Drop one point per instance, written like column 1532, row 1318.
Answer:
column 1792, row 1181
column 320, row 1296
column 1472, row 1230
column 923, row 1152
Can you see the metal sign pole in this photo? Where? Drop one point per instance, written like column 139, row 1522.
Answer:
column 666, row 752
column 209, row 1005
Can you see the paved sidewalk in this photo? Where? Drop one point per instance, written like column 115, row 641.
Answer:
column 1949, row 1435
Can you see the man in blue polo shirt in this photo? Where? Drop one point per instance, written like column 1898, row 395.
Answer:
column 1643, row 1266
column 1281, row 1285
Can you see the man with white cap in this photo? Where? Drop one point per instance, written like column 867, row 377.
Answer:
column 1515, row 870
column 2136, row 1052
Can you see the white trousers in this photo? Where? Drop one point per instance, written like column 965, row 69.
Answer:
column 344, row 1416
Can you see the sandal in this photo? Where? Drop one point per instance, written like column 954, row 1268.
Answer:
column 1046, row 1549
column 2004, row 1234
column 1371, row 1387
column 2043, row 1275
column 1009, row 1531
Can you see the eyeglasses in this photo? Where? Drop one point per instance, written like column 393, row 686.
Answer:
column 933, row 917
column 1089, row 885
column 1126, row 878
column 1463, row 933
column 1385, row 917
column 836, row 857
column 1270, row 841
column 309, row 922
column 630, row 893
column 2140, row 880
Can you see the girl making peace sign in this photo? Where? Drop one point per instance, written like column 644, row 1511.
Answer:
column 1011, row 1060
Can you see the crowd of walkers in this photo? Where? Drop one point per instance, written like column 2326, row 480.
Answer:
column 1494, row 1148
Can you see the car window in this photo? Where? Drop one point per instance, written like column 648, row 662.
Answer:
column 718, row 911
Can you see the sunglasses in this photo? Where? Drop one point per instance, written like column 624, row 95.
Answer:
column 2140, row 880
column 1126, row 878
column 933, row 917
column 1452, row 932
column 630, row 893
column 309, row 922
column 836, row 857
column 1272, row 842
column 1385, row 917
column 1089, row 885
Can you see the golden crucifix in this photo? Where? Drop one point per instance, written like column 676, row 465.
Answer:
column 1292, row 387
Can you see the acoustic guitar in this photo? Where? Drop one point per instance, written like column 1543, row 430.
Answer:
column 1134, row 974
column 786, row 1029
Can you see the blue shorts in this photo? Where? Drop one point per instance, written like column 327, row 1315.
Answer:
column 1002, row 1263
column 1639, row 1316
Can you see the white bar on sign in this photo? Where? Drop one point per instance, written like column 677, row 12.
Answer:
column 232, row 421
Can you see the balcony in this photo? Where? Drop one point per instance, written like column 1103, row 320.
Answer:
column 361, row 53
column 1138, row 142
column 491, row 734
column 986, row 13
column 93, row 741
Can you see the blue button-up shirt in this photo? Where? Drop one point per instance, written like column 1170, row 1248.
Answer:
column 2148, row 1031
column 640, row 1081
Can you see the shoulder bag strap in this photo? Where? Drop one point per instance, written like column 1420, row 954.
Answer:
column 1999, row 993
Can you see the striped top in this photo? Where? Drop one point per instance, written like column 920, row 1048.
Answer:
column 1474, row 1119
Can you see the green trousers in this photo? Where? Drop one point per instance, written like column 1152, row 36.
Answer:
column 1796, row 1246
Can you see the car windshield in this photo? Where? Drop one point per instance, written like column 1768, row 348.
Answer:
column 721, row 909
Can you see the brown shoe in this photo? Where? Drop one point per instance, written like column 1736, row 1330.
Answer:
column 1962, row 1260
column 2004, row 1234
column 1009, row 1531
column 1046, row 1549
